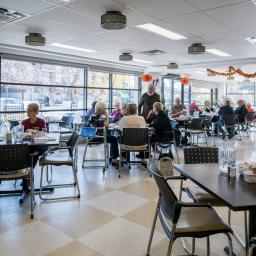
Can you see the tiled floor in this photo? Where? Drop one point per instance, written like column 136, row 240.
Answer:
column 112, row 218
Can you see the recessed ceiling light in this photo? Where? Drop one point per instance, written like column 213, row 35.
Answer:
column 252, row 40
column 143, row 61
column 70, row 47
column 161, row 31
column 218, row 52
column 199, row 72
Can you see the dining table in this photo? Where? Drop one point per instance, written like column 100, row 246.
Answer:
column 234, row 192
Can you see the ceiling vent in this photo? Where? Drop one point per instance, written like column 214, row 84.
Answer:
column 8, row 16
column 35, row 39
column 153, row 52
column 113, row 20
column 196, row 49
column 126, row 57
column 172, row 66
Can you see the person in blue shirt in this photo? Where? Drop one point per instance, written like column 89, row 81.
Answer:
column 223, row 112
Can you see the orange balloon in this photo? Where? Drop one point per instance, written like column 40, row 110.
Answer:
column 184, row 80
column 146, row 78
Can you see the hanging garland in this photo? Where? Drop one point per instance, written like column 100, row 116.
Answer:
column 231, row 71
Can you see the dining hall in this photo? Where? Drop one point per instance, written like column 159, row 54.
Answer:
column 127, row 128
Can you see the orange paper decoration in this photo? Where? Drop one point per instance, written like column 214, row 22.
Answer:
column 231, row 71
column 146, row 78
column 184, row 80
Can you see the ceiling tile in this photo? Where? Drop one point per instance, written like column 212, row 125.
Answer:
column 73, row 19
column 239, row 16
column 161, row 9
column 210, row 4
column 198, row 24
column 26, row 6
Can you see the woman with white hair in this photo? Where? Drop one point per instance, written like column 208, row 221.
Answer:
column 100, row 119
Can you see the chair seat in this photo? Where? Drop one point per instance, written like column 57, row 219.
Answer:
column 200, row 195
column 134, row 148
column 58, row 157
column 197, row 222
column 15, row 175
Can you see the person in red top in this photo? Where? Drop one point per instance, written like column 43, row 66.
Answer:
column 194, row 106
column 249, row 108
column 33, row 122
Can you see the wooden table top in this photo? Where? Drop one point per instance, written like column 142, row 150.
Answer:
column 234, row 192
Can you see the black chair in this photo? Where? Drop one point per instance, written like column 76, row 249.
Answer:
column 134, row 140
column 85, row 119
column 250, row 120
column 61, row 156
column 179, row 219
column 230, row 123
column 13, row 123
column 196, row 127
column 15, row 164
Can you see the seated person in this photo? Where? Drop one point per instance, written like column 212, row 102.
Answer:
column 120, row 114
column 100, row 119
column 241, row 112
column 224, row 111
column 177, row 109
column 194, row 106
column 33, row 122
column 133, row 120
column 207, row 107
column 116, row 110
column 249, row 108
column 92, row 110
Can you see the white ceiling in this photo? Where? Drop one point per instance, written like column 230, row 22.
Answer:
column 221, row 24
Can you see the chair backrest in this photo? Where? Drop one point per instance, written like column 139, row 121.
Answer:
column 14, row 157
column 85, row 119
column 13, row 123
column 200, row 155
column 135, row 136
column 68, row 121
column 196, row 124
column 230, row 120
column 71, row 143
column 168, row 199
column 250, row 116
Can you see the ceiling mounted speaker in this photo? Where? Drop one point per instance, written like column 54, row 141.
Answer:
column 35, row 39
column 113, row 20
column 172, row 66
column 125, row 57
column 196, row 49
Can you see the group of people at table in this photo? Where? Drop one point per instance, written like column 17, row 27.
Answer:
column 150, row 112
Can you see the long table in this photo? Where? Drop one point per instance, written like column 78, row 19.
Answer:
column 237, row 194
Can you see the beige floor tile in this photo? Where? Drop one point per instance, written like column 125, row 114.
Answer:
column 144, row 216
column 74, row 248
column 117, row 203
column 120, row 237
column 142, row 188
column 76, row 224
column 34, row 239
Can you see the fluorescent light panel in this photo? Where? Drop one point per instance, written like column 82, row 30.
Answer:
column 143, row 61
column 218, row 52
column 70, row 47
column 161, row 31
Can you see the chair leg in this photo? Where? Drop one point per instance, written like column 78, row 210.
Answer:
column 32, row 194
column 208, row 245
column 229, row 217
column 84, row 155
column 119, row 165
column 181, row 187
column 175, row 148
column 246, row 231
column 193, row 246
column 76, row 180
column 171, row 242
column 41, row 183
column 153, row 228
column 230, row 244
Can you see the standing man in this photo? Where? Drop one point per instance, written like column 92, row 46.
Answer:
column 147, row 100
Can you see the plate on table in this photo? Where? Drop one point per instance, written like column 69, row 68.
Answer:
column 249, row 176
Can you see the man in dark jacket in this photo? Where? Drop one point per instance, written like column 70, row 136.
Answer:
column 224, row 111
column 147, row 100
column 241, row 112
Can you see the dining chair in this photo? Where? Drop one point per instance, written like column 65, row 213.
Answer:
column 134, row 140
column 16, row 163
column 231, row 122
column 205, row 155
column 250, row 119
column 196, row 128
column 62, row 156
column 13, row 123
column 180, row 219
column 67, row 123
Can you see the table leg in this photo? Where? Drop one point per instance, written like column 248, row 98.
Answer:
column 252, row 223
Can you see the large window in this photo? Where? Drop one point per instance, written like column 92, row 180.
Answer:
column 60, row 89
column 200, row 95
column 244, row 91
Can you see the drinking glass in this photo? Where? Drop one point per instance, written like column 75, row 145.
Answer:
column 227, row 158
